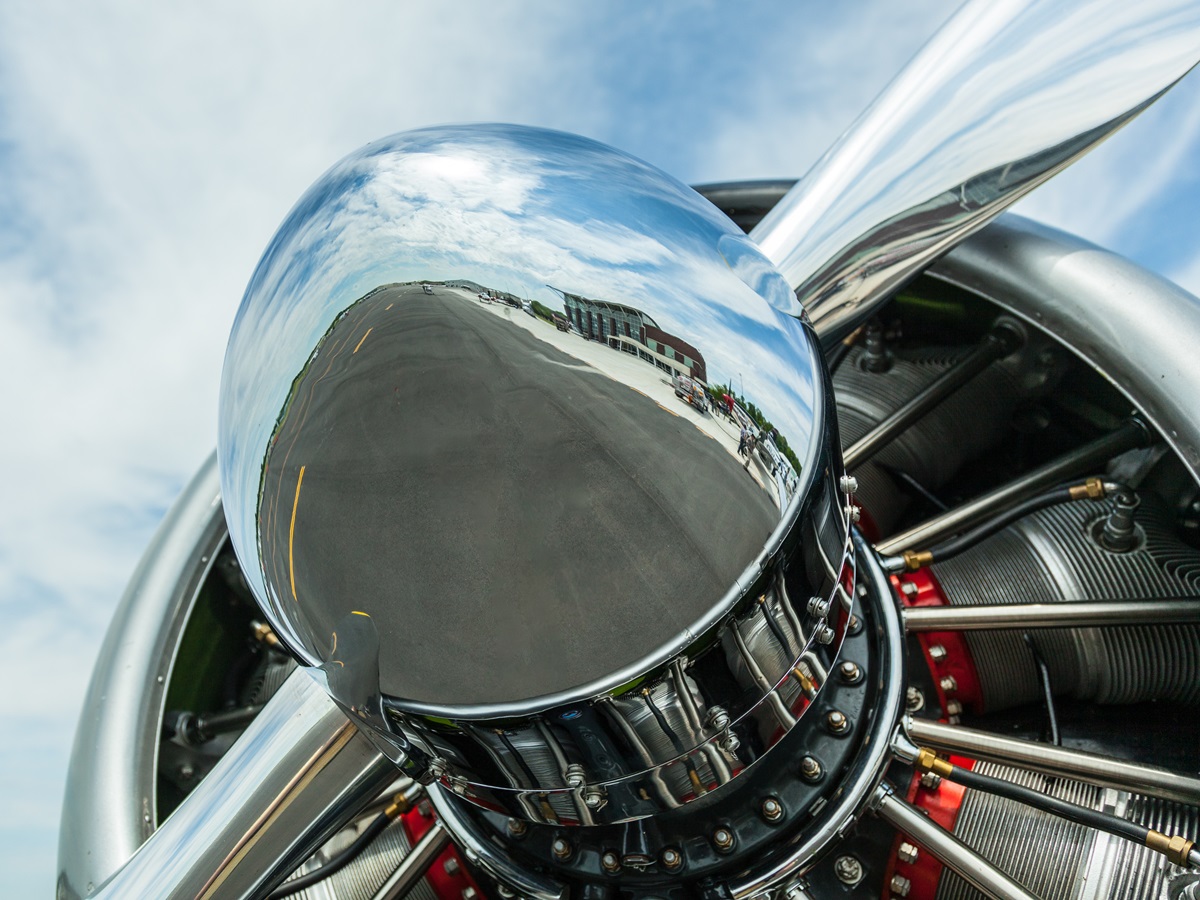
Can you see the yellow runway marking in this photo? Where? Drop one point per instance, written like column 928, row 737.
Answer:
column 292, row 531
column 364, row 337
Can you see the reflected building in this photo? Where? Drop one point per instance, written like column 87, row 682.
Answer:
column 628, row 328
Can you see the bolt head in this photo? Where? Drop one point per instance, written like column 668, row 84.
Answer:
column 810, row 769
column 953, row 708
column 907, row 853
column 848, row 870
column 937, row 652
column 850, row 672
column 848, row 484
column 722, row 839
column 900, row 885
column 949, row 684
column 914, row 700
column 772, row 809
column 930, row 781
column 451, row 866
column 561, row 848
column 610, row 861
column 671, row 858
column 837, row 722
column 516, row 827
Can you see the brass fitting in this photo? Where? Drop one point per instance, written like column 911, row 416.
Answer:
column 401, row 803
column 928, row 761
column 264, row 634
column 914, row 559
column 1092, row 489
column 1175, row 849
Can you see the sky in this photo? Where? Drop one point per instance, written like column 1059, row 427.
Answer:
column 148, row 153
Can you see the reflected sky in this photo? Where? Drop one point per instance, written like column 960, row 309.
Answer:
column 515, row 209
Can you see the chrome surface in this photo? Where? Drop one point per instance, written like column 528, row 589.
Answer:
column 1051, row 615
column 110, row 806
column 295, row 776
column 414, row 866
column 867, row 772
column 1137, row 329
column 403, row 459
column 488, row 856
column 946, row 848
column 1101, row 770
column 1004, row 96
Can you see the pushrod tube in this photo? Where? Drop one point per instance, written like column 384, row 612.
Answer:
column 998, row 617
column 414, row 866
column 1090, row 767
column 947, row 849
column 294, row 777
column 1075, row 462
column 996, row 345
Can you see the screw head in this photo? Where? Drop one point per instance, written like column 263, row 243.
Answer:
column 907, row 853
column 772, row 809
column 850, row 672
column 914, row 700
column 610, row 861
column 722, row 839
column 848, row 870
column 671, row 858
column 825, row 635
column 837, row 722
column 561, row 848
column 810, row 769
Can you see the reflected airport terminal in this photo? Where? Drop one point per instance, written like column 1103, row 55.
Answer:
column 504, row 482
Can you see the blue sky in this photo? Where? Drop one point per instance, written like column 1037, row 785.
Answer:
column 148, row 153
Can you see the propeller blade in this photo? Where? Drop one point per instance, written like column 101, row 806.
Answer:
column 1005, row 95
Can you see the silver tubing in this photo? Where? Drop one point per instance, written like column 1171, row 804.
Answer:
column 993, row 348
column 1131, row 434
column 947, row 849
column 1004, row 96
column 414, row 866
column 1051, row 760
column 1051, row 615
column 297, row 774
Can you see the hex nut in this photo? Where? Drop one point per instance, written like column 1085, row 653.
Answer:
column 900, row 885
column 810, row 769
column 937, row 652
column 722, row 839
column 772, row 809
column 561, row 848
column 671, row 858
column 850, row 672
column 848, row 870
column 836, row 722
column 907, row 853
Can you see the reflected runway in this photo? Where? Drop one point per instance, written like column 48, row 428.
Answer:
column 516, row 513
